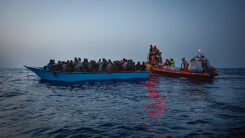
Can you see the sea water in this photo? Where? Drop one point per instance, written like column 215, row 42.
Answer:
column 155, row 107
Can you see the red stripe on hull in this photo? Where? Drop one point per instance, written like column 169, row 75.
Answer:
column 186, row 74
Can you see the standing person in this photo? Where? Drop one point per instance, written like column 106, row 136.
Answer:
column 154, row 50
column 150, row 52
column 158, row 56
column 184, row 65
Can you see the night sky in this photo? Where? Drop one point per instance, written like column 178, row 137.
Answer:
column 32, row 32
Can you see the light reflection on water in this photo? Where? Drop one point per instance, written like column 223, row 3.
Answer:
column 157, row 107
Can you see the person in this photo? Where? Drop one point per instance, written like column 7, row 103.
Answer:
column 138, row 66
column 75, row 61
column 64, row 66
column 120, row 66
column 109, row 67
column 133, row 68
column 90, row 66
column 69, row 66
column 158, row 57
column 125, row 65
column 172, row 62
column 100, row 67
column 193, row 67
column 115, row 66
column 150, row 52
column 59, row 66
column 184, row 65
column 85, row 65
column 94, row 64
column 143, row 66
column 78, row 66
column 51, row 65
column 154, row 50
column 104, row 64
column 167, row 63
column 98, row 64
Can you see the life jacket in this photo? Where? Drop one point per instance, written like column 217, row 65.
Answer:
column 172, row 63
column 167, row 63
column 152, row 60
column 154, row 50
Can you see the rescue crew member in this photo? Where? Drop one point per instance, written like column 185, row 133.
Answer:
column 184, row 65
column 172, row 62
column 167, row 63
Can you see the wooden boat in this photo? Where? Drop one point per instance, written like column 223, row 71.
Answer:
column 186, row 74
column 83, row 76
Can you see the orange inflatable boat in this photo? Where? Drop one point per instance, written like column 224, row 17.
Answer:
column 186, row 74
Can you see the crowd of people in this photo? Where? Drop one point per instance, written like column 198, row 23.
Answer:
column 197, row 64
column 169, row 62
column 103, row 65
column 155, row 55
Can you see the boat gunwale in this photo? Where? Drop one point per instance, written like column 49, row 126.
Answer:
column 41, row 69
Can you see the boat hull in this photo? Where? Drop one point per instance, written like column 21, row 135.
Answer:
column 185, row 74
column 83, row 76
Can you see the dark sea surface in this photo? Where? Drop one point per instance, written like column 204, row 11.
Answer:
column 155, row 107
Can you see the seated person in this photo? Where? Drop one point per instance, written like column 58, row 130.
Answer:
column 167, row 63
column 125, row 66
column 79, row 65
column 59, row 66
column 109, row 67
column 138, row 66
column 172, row 62
column 51, row 65
column 90, row 66
column 143, row 66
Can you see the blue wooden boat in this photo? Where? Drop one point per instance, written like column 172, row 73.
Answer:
column 83, row 76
